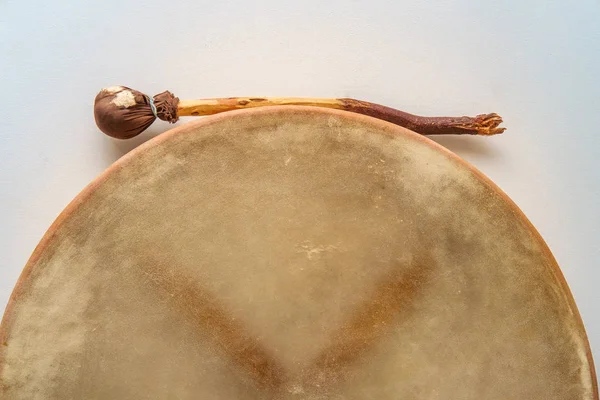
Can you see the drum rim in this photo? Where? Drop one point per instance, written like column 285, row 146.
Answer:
column 389, row 128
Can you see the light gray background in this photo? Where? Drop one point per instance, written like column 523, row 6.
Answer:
column 537, row 63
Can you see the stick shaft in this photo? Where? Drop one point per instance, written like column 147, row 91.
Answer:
column 485, row 124
column 218, row 105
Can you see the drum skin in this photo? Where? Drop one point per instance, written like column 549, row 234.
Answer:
column 293, row 253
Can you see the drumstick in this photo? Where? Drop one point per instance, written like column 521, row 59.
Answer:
column 123, row 113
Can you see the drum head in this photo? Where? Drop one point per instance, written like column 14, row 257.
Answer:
column 293, row 253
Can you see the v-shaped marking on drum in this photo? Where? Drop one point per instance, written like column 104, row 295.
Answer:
column 390, row 299
column 202, row 308
column 392, row 296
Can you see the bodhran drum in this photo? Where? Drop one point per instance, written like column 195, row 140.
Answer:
column 293, row 253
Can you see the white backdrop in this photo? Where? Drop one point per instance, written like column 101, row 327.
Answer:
column 537, row 63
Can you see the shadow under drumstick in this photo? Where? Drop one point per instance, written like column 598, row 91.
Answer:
column 118, row 148
column 466, row 145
